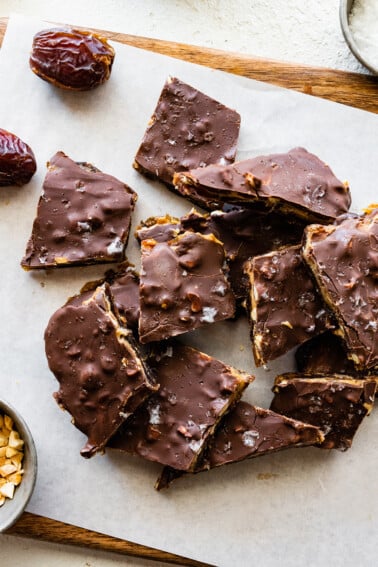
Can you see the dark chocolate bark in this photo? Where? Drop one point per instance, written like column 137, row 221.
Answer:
column 173, row 425
column 285, row 307
column 102, row 378
column 160, row 229
column 246, row 432
column 327, row 354
column 83, row 217
column 245, row 232
column 335, row 403
column 182, row 286
column 296, row 182
column 124, row 294
column 344, row 260
column 212, row 186
column 324, row 354
column 188, row 129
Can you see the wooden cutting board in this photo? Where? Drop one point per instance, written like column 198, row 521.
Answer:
column 352, row 89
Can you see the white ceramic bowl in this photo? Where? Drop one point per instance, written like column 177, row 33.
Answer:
column 12, row 509
column 345, row 9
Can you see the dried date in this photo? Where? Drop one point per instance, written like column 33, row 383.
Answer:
column 71, row 59
column 17, row 161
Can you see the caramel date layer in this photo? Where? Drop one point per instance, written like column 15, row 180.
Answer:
column 285, row 307
column 334, row 403
column 188, row 129
column 344, row 260
column 174, row 424
column 101, row 376
column 83, row 217
column 182, row 286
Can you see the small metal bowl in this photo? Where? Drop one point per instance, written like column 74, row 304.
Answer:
column 12, row 509
column 345, row 9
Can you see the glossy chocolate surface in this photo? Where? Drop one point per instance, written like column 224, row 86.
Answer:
column 101, row 376
column 173, row 425
column 285, row 307
column 83, row 217
column 334, row 403
column 245, row 232
column 246, row 432
column 124, row 294
column 182, row 286
column 249, row 431
column 344, row 260
column 188, row 129
column 295, row 182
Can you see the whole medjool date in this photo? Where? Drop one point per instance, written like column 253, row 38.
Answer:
column 71, row 59
column 17, row 161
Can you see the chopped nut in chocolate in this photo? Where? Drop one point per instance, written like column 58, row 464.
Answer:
column 174, row 424
column 344, row 260
column 188, row 129
column 182, row 286
column 102, row 378
column 83, row 217
column 246, row 432
column 297, row 183
column 285, row 307
column 334, row 403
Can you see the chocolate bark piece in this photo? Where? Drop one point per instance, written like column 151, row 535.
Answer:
column 124, row 294
column 160, row 229
column 83, row 217
column 182, row 286
column 335, row 403
column 247, row 432
column 296, row 182
column 123, row 290
column 245, row 232
column 212, row 186
column 102, row 378
column 344, row 260
column 327, row 354
column 285, row 308
column 174, row 424
column 188, row 129
column 324, row 354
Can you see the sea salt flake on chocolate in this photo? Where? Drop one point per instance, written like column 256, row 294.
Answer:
column 101, row 375
column 203, row 390
column 188, row 129
column 172, row 303
column 83, row 217
column 285, row 308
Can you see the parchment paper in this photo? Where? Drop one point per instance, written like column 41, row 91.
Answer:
column 301, row 507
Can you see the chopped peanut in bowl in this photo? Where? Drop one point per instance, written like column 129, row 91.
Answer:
column 11, row 456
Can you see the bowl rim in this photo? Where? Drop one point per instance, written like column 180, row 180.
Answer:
column 344, row 22
column 26, row 436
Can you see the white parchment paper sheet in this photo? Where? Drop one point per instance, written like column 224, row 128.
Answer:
column 304, row 507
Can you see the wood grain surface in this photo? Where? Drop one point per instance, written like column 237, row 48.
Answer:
column 352, row 89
